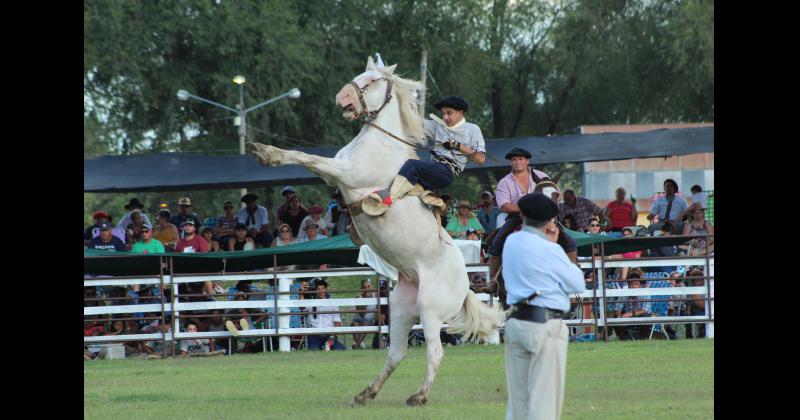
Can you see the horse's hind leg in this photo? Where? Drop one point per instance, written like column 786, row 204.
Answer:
column 403, row 314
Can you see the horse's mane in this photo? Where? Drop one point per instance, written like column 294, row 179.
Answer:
column 404, row 90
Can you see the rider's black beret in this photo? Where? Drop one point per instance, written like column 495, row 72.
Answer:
column 455, row 102
column 518, row 151
column 537, row 206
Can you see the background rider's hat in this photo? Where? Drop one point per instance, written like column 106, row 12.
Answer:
column 537, row 206
column 249, row 197
column 134, row 204
column 518, row 151
column 455, row 102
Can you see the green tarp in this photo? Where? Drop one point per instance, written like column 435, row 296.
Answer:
column 338, row 250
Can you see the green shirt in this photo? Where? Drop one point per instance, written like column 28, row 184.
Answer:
column 454, row 226
column 154, row 247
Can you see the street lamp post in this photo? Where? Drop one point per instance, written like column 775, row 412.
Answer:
column 241, row 113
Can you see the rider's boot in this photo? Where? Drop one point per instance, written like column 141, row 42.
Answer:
column 377, row 202
column 430, row 198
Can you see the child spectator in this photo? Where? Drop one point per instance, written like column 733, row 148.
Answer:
column 324, row 320
column 194, row 345
column 208, row 234
column 240, row 241
column 314, row 216
column 165, row 232
column 570, row 223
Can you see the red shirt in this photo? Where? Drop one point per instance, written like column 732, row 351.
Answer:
column 197, row 244
column 620, row 214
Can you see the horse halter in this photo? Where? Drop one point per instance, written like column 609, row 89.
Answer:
column 365, row 113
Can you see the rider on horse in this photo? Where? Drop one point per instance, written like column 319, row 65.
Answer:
column 455, row 142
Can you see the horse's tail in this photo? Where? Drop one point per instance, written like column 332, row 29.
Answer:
column 476, row 319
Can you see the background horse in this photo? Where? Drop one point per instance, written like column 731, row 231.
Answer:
column 432, row 287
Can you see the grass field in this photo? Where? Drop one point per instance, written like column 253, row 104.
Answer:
column 619, row 380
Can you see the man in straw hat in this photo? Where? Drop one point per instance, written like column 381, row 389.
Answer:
column 455, row 143
column 185, row 204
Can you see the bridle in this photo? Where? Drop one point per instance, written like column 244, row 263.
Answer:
column 366, row 115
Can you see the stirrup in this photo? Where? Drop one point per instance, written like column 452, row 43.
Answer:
column 376, row 203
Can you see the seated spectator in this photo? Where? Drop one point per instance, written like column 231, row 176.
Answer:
column 285, row 236
column 166, row 232
column 157, row 347
column 183, row 215
column 288, row 193
column 324, row 320
column 633, row 308
column 148, row 245
column 571, row 224
column 594, row 227
column 117, row 328
column 621, row 213
column 488, row 212
column 628, row 233
column 216, row 323
column 669, row 207
column 314, row 216
column 698, row 198
column 312, row 233
column 107, row 240
column 667, row 229
column 464, row 220
column 133, row 205
column 133, row 348
column 256, row 219
column 366, row 314
column 698, row 225
column 582, row 208
column 208, row 234
column 294, row 215
column 240, row 241
column 99, row 217
column 194, row 345
column 226, row 224
column 697, row 303
column 337, row 218
column 133, row 232
column 191, row 242
column 478, row 283
column 472, row 235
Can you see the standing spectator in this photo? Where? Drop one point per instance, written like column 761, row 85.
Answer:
column 99, row 217
column 226, row 224
column 365, row 315
column 621, row 213
column 256, row 219
column 314, row 216
column 698, row 225
column 107, row 240
column 185, row 205
column 669, row 207
column 337, row 217
column 288, row 193
column 285, row 236
column 133, row 232
column 193, row 345
column 208, row 234
column 166, row 232
column 240, row 241
column 312, row 233
column 294, row 215
column 324, row 320
column 148, row 245
column 520, row 181
column 191, row 242
column 464, row 220
column 132, row 205
column 488, row 212
column 582, row 208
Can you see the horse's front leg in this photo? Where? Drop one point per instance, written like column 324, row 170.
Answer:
column 330, row 170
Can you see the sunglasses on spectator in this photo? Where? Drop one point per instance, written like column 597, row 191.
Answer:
column 594, row 225
column 311, row 227
column 145, row 230
column 284, row 230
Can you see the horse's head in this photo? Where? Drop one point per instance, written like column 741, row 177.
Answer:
column 548, row 187
column 368, row 92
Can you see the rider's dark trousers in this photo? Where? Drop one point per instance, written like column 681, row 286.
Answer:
column 432, row 175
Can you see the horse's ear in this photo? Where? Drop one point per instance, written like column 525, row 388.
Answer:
column 536, row 179
column 555, row 180
column 391, row 68
column 370, row 64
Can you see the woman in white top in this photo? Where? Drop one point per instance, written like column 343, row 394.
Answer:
column 285, row 236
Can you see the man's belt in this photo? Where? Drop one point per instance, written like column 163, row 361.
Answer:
column 452, row 164
column 535, row 313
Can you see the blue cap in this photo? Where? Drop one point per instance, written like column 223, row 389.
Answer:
column 105, row 226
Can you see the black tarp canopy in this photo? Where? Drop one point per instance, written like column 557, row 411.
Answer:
column 187, row 171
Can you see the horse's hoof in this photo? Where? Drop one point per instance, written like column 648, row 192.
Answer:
column 416, row 400
column 361, row 399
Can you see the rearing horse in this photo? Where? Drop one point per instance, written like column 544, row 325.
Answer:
column 432, row 285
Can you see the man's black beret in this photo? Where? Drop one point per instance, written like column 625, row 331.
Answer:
column 537, row 206
column 518, row 151
column 454, row 102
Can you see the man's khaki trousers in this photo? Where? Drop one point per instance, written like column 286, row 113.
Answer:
column 536, row 367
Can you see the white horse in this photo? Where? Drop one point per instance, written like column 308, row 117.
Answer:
column 433, row 287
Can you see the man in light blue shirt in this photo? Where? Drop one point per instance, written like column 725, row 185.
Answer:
column 539, row 279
